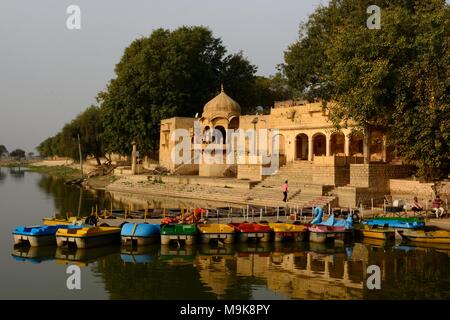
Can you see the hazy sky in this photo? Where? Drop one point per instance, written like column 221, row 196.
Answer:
column 49, row 74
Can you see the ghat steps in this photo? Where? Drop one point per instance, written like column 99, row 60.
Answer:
column 302, row 192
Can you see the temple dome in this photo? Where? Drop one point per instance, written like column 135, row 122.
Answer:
column 221, row 106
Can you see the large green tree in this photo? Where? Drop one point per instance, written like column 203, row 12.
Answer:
column 2, row 150
column 88, row 126
column 18, row 154
column 395, row 78
column 45, row 148
column 266, row 90
column 165, row 74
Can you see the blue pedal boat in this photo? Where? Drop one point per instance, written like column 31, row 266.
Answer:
column 140, row 234
column 396, row 223
column 139, row 255
column 33, row 254
column 37, row 236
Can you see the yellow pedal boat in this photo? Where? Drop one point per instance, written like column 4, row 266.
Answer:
column 424, row 236
column 366, row 231
column 88, row 237
column 288, row 231
column 58, row 221
column 216, row 231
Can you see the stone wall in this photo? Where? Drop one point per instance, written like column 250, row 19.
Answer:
column 376, row 176
column 212, row 170
column 352, row 197
column 249, row 171
column 331, row 175
column 188, row 169
column 166, row 144
column 408, row 189
column 346, row 196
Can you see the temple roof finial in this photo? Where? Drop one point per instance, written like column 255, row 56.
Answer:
column 221, row 88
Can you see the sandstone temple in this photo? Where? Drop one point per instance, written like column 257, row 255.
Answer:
column 313, row 155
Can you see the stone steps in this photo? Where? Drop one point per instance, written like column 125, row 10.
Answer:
column 269, row 198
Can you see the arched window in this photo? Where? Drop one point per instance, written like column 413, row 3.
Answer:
column 319, row 144
column 301, row 147
column 219, row 135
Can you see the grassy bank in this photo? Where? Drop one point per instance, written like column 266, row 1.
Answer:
column 14, row 164
column 69, row 173
column 66, row 173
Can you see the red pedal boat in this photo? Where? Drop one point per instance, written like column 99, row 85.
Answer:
column 246, row 231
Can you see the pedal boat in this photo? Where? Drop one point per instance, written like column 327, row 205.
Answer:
column 321, row 233
column 178, row 232
column 139, row 234
column 374, row 232
column 288, row 231
column 37, row 236
column 424, row 236
column 400, row 223
column 252, row 231
column 216, row 231
column 60, row 221
column 87, row 237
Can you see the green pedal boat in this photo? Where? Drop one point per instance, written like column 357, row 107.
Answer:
column 178, row 232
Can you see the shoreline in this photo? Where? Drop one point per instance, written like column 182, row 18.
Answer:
column 70, row 172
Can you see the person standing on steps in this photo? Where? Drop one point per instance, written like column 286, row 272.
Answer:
column 285, row 188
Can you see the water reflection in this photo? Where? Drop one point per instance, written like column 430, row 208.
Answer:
column 17, row 172
column 316, row 271
column 2, row 175
column 240, row 271
column 33, row 254
column 72, row 200
column 83, row 257
column 143, row 254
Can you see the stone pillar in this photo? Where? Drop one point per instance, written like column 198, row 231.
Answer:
column 328, row 145
column 347, row 145
column 308, row 261
column 133, row 158
column 327, row 267
column 346, row 277
column 384, row 154
column 366, row 148
column 310, row 148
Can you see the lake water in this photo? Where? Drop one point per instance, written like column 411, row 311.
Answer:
column 252, row 271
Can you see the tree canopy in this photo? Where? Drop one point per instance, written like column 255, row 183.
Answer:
column 88, row 126
column 2, row 150
column 396, row 78
column 18, row 154
column 169, row 73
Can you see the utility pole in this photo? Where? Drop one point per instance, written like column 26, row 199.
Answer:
column 81, row 158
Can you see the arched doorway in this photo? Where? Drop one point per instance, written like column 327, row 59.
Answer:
column 319, row 144
column 337, row 144
column 219, row 135
column 301, row 147
column 206, row 135
column 356, row 147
